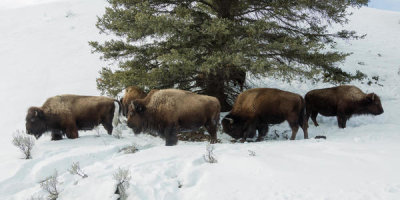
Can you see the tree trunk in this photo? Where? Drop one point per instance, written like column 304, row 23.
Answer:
column 224, row 83
column 215, row 86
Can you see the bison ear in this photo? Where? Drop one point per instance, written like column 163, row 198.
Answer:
column 39, row 113
column 139, row 108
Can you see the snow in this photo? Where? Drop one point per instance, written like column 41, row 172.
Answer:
column 44, row 51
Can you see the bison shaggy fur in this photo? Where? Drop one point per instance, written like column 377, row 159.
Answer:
column 171, row 110
column 341, row 101
column 131, row 93
column 256, row 108
column 66, row 114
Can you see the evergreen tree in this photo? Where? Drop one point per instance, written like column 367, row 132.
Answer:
column 208, row 46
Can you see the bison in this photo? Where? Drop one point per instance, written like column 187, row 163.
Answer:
column 66, row 114
column 131, row 93
column 341, row 101
column 256, row 108
column 168, row 111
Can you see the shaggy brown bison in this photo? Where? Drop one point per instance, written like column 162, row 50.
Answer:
column 343, row 102
column 256, row 108
column 171, row 110
column 66, row 114
column 131, row 93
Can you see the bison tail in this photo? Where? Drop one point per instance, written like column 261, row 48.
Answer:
column 302, row 114
column 117, row 113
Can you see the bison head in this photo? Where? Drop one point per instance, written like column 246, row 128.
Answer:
column 136, row 116
column 233, row 126
column 35, row 122
column 373, row 104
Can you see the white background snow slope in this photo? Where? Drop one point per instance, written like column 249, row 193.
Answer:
column 44, row 51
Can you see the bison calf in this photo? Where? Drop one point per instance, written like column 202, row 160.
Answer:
column 66, row 114
column 171, row 110
column 255, row 109
column 343, row 102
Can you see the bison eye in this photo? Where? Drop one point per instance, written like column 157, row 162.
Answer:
column 33, row 119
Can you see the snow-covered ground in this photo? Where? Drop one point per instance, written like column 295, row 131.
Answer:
column 44, row 51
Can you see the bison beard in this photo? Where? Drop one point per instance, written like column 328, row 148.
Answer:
column 343, row 102
column 171, row 110
column 66, row 114
column 255, row 109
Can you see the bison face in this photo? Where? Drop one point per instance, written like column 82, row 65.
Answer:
column 374, row 105
column 233, row 126
column 35, row 122
column 135, row 117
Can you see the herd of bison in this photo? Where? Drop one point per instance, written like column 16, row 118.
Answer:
column 168, row 111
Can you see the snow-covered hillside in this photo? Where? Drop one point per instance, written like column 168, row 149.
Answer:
column 44, row 51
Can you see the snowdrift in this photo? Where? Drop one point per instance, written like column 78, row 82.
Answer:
column 44, row 51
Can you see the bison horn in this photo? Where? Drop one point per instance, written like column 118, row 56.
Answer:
column 373, row 96
column 36, row 113
column 230, row 120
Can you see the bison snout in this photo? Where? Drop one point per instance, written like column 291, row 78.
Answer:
column 129, row 124
column 380, row 111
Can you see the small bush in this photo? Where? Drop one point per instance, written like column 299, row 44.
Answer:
column 24, row 142
column 76, row 170
column 180, row 184
column 129, row 149
column 36, row 198
column 122, row 176
column 209, row 156
column 69, row 14
column 252, row 153
column 50, row 185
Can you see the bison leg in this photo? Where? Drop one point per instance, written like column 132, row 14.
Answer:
column 170, row 136
column 295, row 127
column 56, row 135
column 72, row 132
column 262, row 131
column 305, row 130
column 314, row 117
column 212, row 130
column 250, row 130
column 108, row 127
column 341, row 121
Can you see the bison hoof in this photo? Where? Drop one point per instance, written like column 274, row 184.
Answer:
column 56, row 138
column 260, row 139
column 171, row 142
